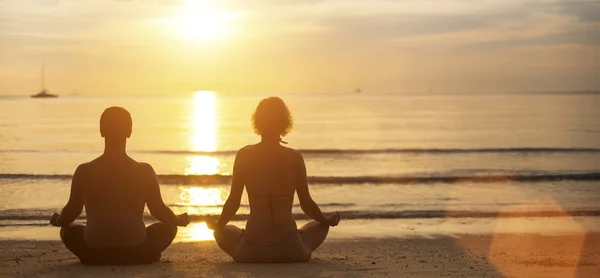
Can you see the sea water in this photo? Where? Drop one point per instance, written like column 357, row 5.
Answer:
column 390, row 164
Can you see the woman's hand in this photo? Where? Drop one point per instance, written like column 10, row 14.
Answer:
column 54, row 220
column 211, row 223
column 334, row 219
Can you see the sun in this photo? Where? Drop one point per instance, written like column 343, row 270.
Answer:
column 198, row 21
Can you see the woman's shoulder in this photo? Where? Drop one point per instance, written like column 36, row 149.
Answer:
column 292, row 154
column 245, row 149
column 291, row 150
column 252, row 148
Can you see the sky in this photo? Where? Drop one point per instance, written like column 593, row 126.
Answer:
column 312, row 46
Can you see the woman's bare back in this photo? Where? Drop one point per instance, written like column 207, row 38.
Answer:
column 269, row 172
column 272, row 174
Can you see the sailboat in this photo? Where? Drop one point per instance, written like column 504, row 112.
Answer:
column 43, row 93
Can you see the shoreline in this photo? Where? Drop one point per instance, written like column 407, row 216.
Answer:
column 367, row 228
column 494, row 255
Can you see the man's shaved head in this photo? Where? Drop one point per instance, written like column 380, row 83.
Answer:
column 115, row 123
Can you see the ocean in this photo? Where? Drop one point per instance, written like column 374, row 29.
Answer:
column 392, row 165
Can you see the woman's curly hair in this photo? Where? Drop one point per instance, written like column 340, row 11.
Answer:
column 272, row 117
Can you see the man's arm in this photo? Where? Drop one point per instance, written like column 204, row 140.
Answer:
column 307, row 204
column 232, row 204
column 74, row 206
column 156, row 205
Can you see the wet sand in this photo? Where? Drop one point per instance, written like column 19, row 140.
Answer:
column 502, row 255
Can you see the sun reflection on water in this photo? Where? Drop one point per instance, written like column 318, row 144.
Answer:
column 204, row 127
column 204, row 121
column 202, row 197
column 203, row 165
column 198, row 200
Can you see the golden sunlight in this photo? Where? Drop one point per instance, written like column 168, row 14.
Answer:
column 203, row 165
column 206, row 197
column 204, row 134
column 199, row 21
column 196, row 232
column 204, row 122
column 200, row 201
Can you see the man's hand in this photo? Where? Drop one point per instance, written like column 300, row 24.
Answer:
column 334, row 219
column 54, row 220
column 183, row 220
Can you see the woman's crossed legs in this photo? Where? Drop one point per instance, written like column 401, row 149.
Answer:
column 229, row 238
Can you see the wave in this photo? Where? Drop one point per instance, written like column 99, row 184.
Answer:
column 339, row 180
column 9, row 216
column 520, row 150
column 323, row 205
column 408, row 151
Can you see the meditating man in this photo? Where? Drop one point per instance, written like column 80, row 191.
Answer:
column 271, row 174
column 114, row 189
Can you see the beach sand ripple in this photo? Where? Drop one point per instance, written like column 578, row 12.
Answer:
column 463, row 256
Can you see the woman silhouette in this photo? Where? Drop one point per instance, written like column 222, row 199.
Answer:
column 271, row 174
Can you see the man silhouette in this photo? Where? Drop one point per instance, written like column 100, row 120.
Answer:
column 114, row 189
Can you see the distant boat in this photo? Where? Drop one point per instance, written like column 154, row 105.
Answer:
column 358, row 91
column 44, row 93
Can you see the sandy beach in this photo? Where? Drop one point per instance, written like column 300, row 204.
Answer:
column 463, row 256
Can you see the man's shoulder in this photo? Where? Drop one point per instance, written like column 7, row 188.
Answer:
column 84, row 166
column 83, row 170
column 144, row 166
column 146, row 172
column 90, row 164
column 97, row 163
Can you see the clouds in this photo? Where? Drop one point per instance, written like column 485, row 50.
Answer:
column 411, row 44
column 393, row 26
column 583, row 10
column 357, row 21
column 556, row 22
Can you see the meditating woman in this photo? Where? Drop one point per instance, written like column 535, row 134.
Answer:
column 271, row 174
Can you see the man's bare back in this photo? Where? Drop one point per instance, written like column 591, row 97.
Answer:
column 114, row 189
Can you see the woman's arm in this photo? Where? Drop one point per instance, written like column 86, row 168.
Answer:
column 307, row 204
column 232, row 204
